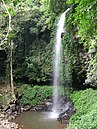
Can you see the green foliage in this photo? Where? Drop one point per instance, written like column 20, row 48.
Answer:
column 67, row 59
column 56, row 6
column 39, row 66
column 92, row 64
column 83, row 18
column 33, row 29
column 7, row 13
column 34, row 95
column 91, row 72
column 5, row 95
column 32, row 53
column 86, row 110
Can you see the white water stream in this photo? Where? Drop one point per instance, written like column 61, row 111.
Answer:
column 57, row 61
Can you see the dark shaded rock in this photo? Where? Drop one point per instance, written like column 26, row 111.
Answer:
column 13, row 108
column 67, row 110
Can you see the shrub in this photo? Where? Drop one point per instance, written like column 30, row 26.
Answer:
column 36, row 94
column 86, row 110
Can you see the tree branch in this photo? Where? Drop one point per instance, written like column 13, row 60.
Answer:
column 9, row 25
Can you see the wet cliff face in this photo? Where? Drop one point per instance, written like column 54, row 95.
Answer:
column 79, row 68
column 75, row 61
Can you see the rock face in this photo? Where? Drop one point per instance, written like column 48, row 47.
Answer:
column 67, row 109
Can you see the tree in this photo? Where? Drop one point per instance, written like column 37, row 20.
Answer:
column 4, row 42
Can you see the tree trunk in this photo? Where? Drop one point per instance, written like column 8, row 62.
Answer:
column 10, row 44
column 11, row 74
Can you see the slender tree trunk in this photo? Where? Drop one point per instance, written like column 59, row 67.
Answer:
column 11, row 72
column 10, row 44
column 7, row 73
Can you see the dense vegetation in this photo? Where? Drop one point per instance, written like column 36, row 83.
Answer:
column 31, row 34
column 86, row 110
column 28, row 28
column 32, row 30
column 36, row 95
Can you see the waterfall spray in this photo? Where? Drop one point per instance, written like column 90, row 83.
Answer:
column 57, row 61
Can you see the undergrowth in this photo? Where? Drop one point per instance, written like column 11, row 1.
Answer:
column 33, row 95
column 86, row 110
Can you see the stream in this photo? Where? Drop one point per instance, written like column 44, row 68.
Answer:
column 38, row 120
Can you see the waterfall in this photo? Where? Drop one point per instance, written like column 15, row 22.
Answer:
column 57, row 61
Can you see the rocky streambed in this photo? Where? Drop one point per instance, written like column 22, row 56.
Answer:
column 6, row 124
column 13, row 109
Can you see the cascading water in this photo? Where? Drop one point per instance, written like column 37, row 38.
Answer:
column 57, row 62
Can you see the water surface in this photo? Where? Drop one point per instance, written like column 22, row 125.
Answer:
column 38, row 120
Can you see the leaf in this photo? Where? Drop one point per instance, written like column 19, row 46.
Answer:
column 6, row 1
column 12, row 13
column 15, row 3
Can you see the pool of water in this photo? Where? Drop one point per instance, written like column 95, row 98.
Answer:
column 38, row 120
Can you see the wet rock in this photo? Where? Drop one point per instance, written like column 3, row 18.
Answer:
column 67, row 110
column 26, row 108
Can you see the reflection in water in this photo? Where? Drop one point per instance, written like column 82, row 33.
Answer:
column 37, row 120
